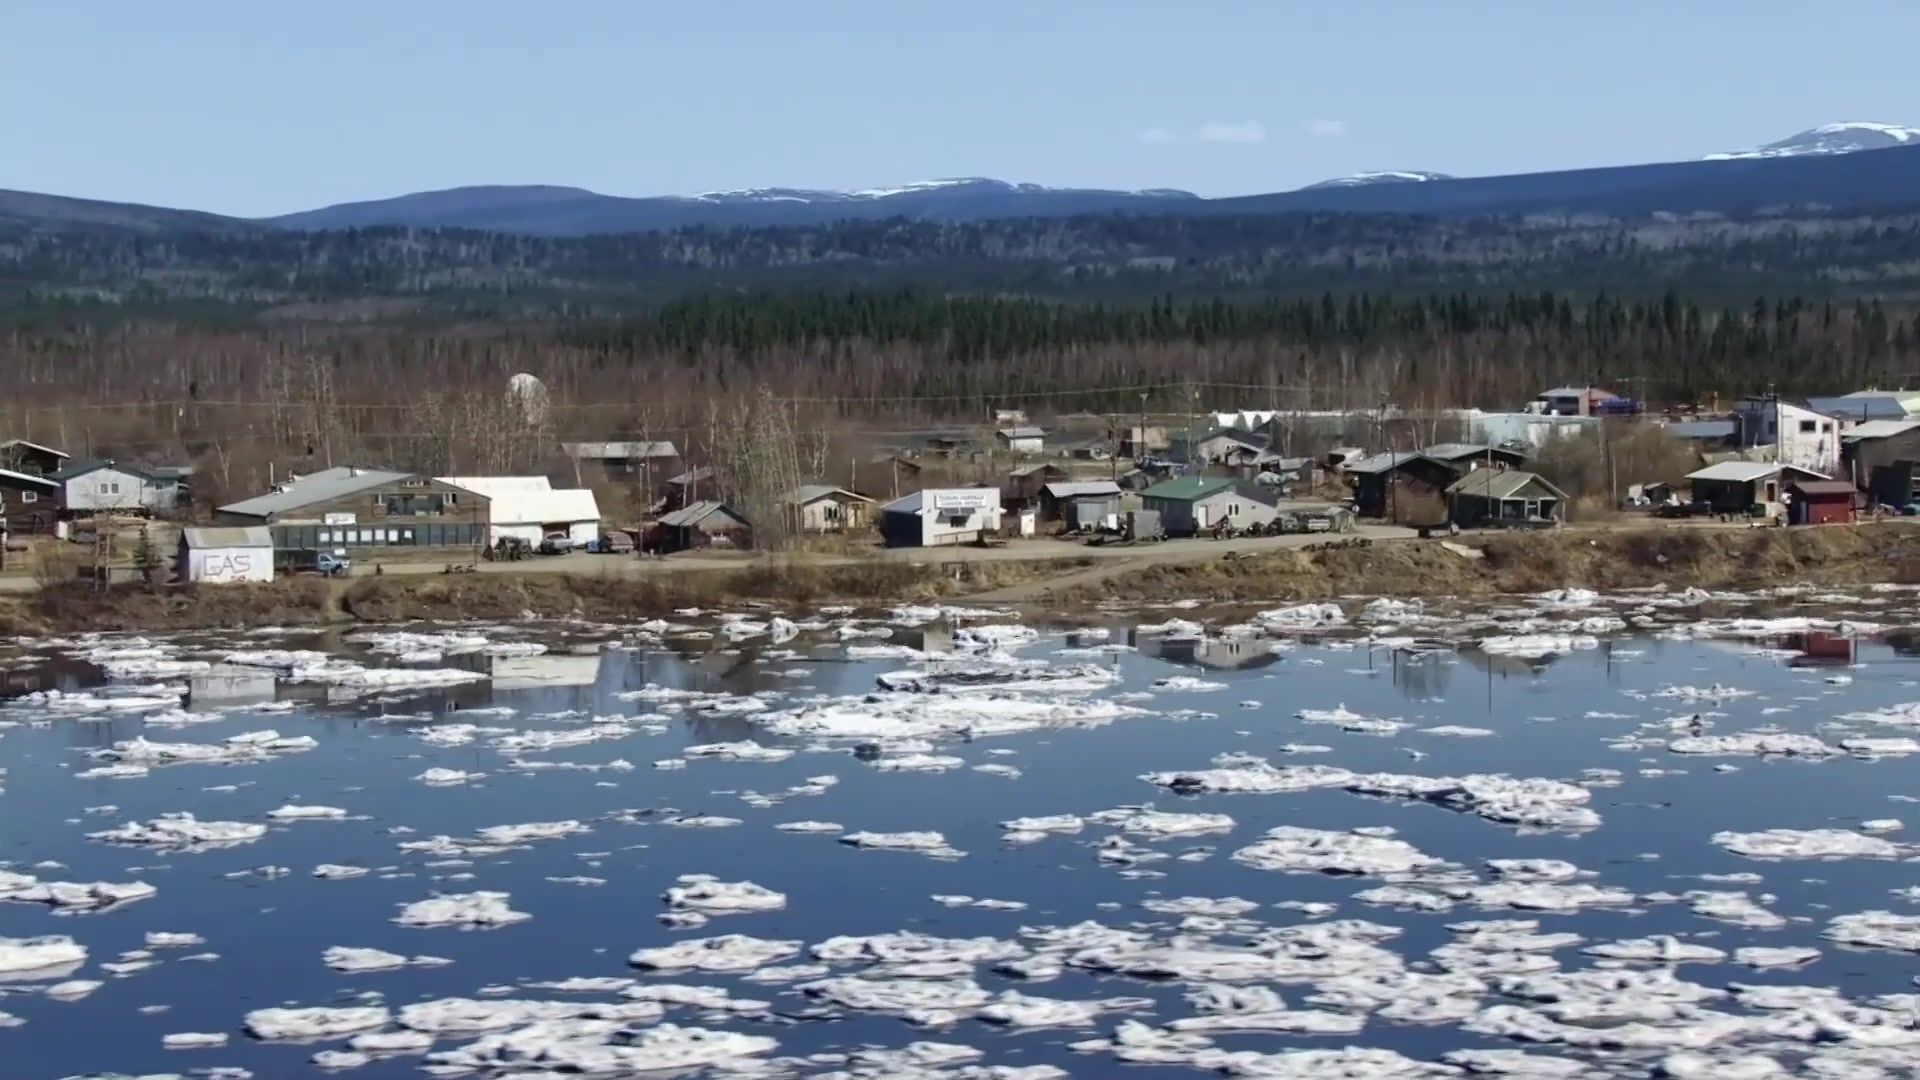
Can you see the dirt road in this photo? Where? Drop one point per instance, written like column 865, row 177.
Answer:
column 1114, row 559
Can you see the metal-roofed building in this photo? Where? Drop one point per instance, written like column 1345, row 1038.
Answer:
column 1080, row 504
column 827, row 508
column 703, row 524
column 1503, row 497
column 348, row 506
column 619, row 462
column 1737, row 487
column 1193, row 504
column 935, row 517
column 530, row 508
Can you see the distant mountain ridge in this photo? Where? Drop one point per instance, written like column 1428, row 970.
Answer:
column 1823, row 167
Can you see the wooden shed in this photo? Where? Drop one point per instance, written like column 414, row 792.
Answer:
column 1820, row 502
column 703, row 524
column 1503, row 498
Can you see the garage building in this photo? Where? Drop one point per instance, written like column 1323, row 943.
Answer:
column 940, row 516
column 529, row 508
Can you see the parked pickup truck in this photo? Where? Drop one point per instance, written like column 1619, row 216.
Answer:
column 333, row 563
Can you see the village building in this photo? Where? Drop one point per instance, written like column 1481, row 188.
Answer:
column 530, row 509
column 1022, row 440
column 1398, row 483
column 1231, row 447
column 820, row 508
column 232, row 555
column 1138, row 440
column 31, row 458
column 619, row 462
column 89, row 488
column 1864, row 405
column 1866, row 447
column 1820, row 502
column 349, row 506
column 1573, row 401
column 1800, row 436
column 1194, row 504
column 685, row 489
column 1080, row 504
column 708, row 523
column 1895, row 484
column 1503, row 497
column 1739, row 487
column 29, row 503
column 935, row 517
column 1464, row 457
column 1023, row 484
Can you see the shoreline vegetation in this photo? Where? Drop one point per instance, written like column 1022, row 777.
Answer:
column 1742, row 559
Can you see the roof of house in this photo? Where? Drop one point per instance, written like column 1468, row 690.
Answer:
column 1379, row 463
column 10, row 443
column 692, row 476
column 1500, row 483
column 1865, row 405
column 1451, row 452
column 1073, row 489
column 1022, row 433
column 619, row 451
column 916, row 502
column 229, row 536
column 1823, row 487
column 698, row 512
column 807, row 493
column 1878, row 429
column 315, row 488
column 550, row 507
column 1037, row 467
column 28, row 478
column 1188, row 488
column 1577, row 391
column 1747, row 471
column 494, row 487
column 74, row 469
column 1701, row 429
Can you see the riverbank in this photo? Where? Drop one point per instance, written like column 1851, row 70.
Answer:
column 1742, row 559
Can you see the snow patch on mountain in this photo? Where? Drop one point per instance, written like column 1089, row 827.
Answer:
column 1846, row 137
column 962, row 185
column 1366, row 179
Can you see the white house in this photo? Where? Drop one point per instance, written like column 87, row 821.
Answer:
column 1801, row 437
column 106, row 487
column 529, row 508
column 226, row 556
column 1022, row 440
column 940, row 516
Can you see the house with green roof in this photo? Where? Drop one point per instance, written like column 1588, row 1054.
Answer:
column 1194, row 504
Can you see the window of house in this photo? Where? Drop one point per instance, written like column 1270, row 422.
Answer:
column 1806, row 427
column 1233, row 509
column 29, row 496
column 957, row 521
column 1826, row 426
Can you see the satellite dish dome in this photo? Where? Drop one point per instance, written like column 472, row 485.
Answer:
column 529, row 394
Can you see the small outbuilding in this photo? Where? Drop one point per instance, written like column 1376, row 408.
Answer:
column 704, row 524
column 225, row 556
column 1397, row 482
column 935, row 517
column 1022, row 440
column 1820, row 502
column 1082, row 504
column 106, row 487
column 820, row 508
column 1193, row 504
column 1503, row 497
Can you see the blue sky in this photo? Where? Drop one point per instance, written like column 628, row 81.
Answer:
column 261, row 108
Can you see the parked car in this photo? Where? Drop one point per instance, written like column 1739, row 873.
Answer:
column 615, row 542
column 556, row 543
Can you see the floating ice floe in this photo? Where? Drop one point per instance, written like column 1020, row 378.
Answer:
column 603, row 1048
column 349, row 959
column 182, row 832
column 1876, row 930
column 35, row 954
column 292, row 812
column 248, row 747
column 68, row 895
column 441, row 777
column 317, row 1022
column 474, row 909
column 1809, row 844
column 922, row 716
column 1753, row 743
column 711, row 896
column 1300, row 850
column 1537, row 646
column 926, row 843
column 726, row 954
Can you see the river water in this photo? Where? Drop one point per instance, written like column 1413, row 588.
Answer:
column 1144, row 915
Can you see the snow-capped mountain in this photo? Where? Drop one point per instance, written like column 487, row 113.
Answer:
column 1842, row 138
column 964, row 186
column 1365, row 179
